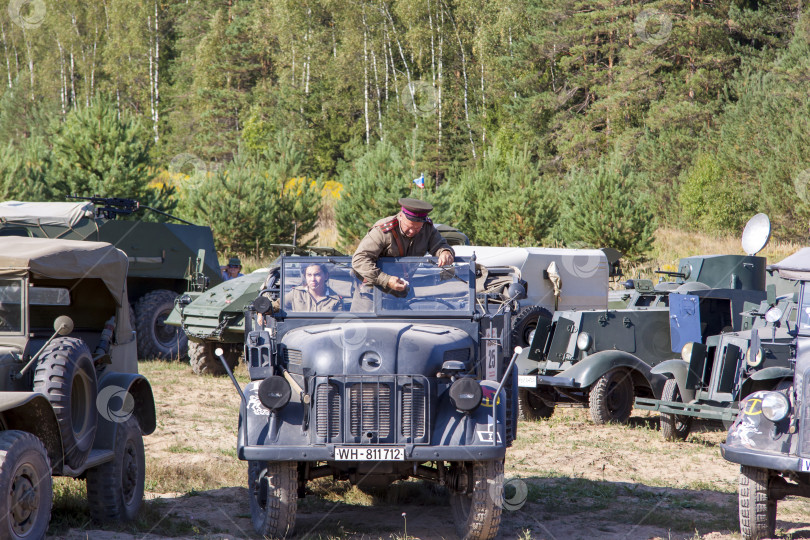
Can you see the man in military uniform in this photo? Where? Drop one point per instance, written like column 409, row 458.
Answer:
column 409, row 233
column 313, row 294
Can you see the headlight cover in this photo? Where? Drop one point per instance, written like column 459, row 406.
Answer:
column 775, row 406
column 584, row 341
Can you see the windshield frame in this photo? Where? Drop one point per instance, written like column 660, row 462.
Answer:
column 464, row 271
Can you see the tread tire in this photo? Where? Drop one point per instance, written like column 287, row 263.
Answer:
column 525, row 322
column 611, row 398
column 275, row 517
column 65, row 374
column 24, row 464
column 204, row 362
column 115, row 488
column 757, row 505
column 674, row 427
column 155, row 338
column 532, row 407
column 477, row 515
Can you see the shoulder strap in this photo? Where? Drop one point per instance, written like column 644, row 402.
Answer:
column 389, row 226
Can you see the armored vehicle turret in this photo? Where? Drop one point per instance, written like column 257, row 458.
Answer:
column 158, row 253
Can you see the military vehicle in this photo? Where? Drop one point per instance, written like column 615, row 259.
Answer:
column 159, row 255
column 379, row 388
column 603, row 359
column 557, row 279
column 711, row 378
column 64, row 410
column 770, row 438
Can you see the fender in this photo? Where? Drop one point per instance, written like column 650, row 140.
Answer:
column 588, row 370
column 525, row 366
column 773, row 372
column 33, row 413
column 677, row 369
column 114, row 389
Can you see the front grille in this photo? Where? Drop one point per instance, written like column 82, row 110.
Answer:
column 414, row 407
column 327, row 411
column 805, row 416
column 386, row 409
column 370, row 406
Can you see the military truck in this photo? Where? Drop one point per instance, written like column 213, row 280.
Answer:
column 603, row 359
column 710, row 379
column 71, row 400
column 770, row 438
column 158, row 253
column 379, row 388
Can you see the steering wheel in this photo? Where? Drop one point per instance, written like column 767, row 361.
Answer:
column 439, row 300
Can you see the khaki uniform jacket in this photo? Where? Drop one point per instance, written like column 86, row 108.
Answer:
column 381, row 242
column 299, row 299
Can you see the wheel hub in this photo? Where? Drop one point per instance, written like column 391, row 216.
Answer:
column 24, row 501
column 129, row 473
column 164, row 333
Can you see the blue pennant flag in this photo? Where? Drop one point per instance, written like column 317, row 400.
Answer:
column 420, row 181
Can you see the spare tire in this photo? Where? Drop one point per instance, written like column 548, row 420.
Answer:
column 156, row 339
column 65, row 374
column 524, row 323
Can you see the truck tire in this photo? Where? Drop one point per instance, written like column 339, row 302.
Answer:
column 65, row 374
column 532, row 407
column 524, row 323
column 273, row 492
column 115, row 488
column 477, row 511
column 757, row 505
column 611, row 398
column 25, row 482
column 156, row 339
column 203, row 360
column 674, row 427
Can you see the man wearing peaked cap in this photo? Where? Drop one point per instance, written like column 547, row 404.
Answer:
column 409, row 233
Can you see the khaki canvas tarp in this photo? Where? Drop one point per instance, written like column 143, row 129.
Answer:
column 796, row 266
column 61, row 214
column 66, row 259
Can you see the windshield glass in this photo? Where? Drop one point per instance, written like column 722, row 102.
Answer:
column 804, row 310
column 11, row 306
column 318, row 286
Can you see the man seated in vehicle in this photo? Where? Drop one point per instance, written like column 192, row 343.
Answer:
column 313, row 294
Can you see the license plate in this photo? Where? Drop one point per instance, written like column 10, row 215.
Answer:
column 369, row 453
column 805, row 465
column 527, row 381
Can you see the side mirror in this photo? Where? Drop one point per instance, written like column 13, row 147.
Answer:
column 63, row 325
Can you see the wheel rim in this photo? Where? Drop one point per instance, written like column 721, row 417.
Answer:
column 166, row 335
column 129, row 472
column 78, row 404
column 24, row 499
column 617, row 396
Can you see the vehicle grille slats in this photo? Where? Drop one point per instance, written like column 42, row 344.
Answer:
column 370, row 409
column 327, row 406
column 414, row 406
column 805, row 417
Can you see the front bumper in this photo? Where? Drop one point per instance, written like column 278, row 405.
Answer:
column 764, row 460
column 697, row 410
column 548, row 380
column 418, row 454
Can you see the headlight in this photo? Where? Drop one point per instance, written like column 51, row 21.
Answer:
column 754, row 358
column 584, row 341
column 466, row 394
column 274, row 392
column 686, row 352
column 775, row 406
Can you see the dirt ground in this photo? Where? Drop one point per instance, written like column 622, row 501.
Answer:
column 565, row 479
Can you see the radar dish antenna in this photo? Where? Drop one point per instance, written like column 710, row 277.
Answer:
column 756, row 234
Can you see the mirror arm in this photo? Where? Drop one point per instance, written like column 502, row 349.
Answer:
column 31, row 362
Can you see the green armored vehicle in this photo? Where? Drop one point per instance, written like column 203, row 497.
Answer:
column 158, row 253
column 604, row 359
column 71, row 400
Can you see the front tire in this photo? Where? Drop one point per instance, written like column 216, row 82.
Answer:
column 478, row 500
column 26, row 492
column 65, row 374
column 203, row 360
column 156, row 339
column 612, row 397
column 115, row 488
column 273, row 492
column 532, row 406
column 757, row 504
column 674, row 427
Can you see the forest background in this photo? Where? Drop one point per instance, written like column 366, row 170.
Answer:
column 553, row 122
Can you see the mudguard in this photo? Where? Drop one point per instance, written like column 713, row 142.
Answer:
column 121, row 395
column 678, row 370
column 773, row 372
column 525, row 366
column 588, row 370
column 33, row 413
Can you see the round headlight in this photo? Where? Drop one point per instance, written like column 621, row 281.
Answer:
column 775, row 406
column 466, row 394
column 274, row 392
column 686, row 352
column 584, row 341
column 754, row 358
